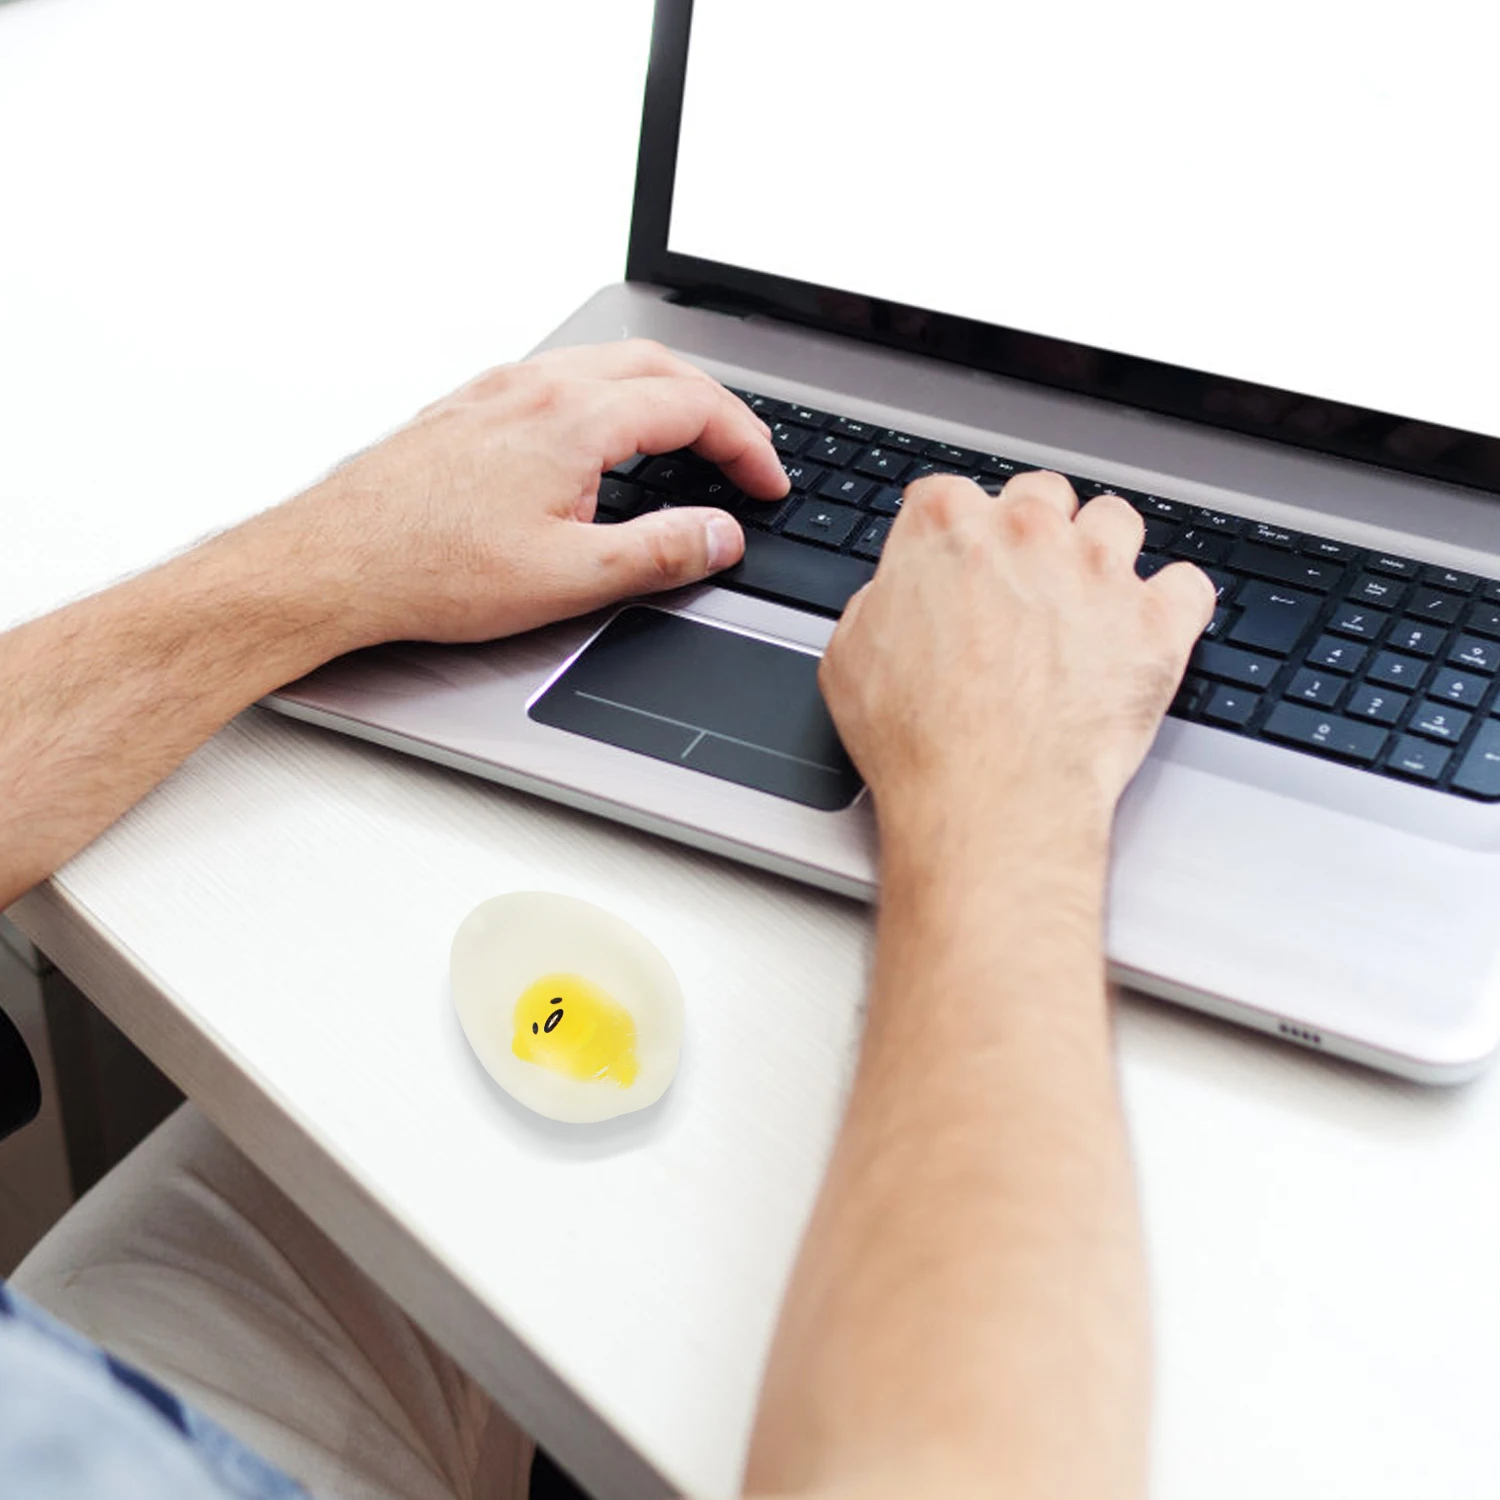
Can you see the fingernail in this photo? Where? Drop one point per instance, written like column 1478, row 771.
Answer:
column 723, row 541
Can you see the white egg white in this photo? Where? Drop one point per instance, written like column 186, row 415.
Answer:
column 509, row 942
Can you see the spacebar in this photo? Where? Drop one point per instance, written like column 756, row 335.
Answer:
column 796, row 573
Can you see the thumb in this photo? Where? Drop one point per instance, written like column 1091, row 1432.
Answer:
column 664, row 549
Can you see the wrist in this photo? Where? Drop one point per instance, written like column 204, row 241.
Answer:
column 1060, row 825
column 277, row 581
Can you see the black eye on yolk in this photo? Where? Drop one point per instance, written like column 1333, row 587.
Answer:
column 552, row 1021
column 533, row 1028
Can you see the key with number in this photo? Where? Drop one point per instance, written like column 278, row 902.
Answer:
column 1382, row 705
column 1337, row 655
column 1317, row 730
column 1479, row 656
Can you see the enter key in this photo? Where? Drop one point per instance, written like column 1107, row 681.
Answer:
column 1272, row 618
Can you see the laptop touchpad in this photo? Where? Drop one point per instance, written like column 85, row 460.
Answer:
column 709, row 699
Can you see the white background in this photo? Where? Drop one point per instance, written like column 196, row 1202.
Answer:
column 1294, row 192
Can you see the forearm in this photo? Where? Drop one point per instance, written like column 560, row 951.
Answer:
column 101, row 700
column 968, row 1312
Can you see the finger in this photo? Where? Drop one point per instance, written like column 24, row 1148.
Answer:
column 625, row 359
column 664, row 549
column 1189, row 596
column 1042, row 484
column 1115, row 524
column 657, row 413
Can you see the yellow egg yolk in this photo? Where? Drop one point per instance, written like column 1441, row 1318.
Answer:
column 569, row 1026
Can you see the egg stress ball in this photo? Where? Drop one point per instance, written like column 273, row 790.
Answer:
column 572, row 1011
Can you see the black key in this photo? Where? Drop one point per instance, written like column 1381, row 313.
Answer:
column 925, row 466
column 870, row 540
column 1003, row 468
column 1234, row 665
column 1418, row 759
column 1432, row 604
column 902, row 440
column 797, row 574
column 1231, row 705
column 1489, row 591
column 1190, row 694
column 1394, row 670
column 1218, row 624
column 1224, row 583
column 960, row 458
column 1213, row 520
column 1199, row 545
column 1446, row 578
column 888, row 464
column 1159, row 531
column 789, row 438
column 1271, row 536
column 1337, row 655
column 619, row 498
column 1363, row 624
column 828, row 449
column 1478, row 773
column 767, row 408
column 886, row 501
column 1272, row 619
column 1383, row 705
column 1322, row 688
column 1283, row 567
column 1484, row 619
column 764, row 514
column 1397, row 567
column 807, row 415
column 850, row 488
column 1328, row 550
column 629, row 466
column 1458, row 687
column 804, row 475
column 1383, row 593
column 1439, row 722
column 862, row 432
column 1419, row 639
column 1147, row 564
column 1480, row 656
column 1154, row 505
column 823, row 522
column 687, row 479
column 1322, row 731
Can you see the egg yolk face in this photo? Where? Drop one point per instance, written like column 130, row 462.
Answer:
column 569, row 1026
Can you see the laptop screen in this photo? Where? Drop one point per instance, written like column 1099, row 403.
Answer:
column 1295, row 193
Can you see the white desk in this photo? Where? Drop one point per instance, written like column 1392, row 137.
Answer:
column 240, row 241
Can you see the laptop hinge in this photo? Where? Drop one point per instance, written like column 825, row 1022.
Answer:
column 716, row 299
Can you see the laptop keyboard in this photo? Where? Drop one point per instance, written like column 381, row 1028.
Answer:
column 1375, row 660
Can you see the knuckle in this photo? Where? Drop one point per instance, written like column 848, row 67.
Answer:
column 669, row 552
column 937, row 498
column 1030, row 515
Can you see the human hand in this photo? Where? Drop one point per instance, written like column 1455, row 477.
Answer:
column 473, row 521
column 1006, row 656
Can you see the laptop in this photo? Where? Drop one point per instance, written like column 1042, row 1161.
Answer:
column 1231, row 271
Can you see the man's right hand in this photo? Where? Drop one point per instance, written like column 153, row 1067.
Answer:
column 1007, row 650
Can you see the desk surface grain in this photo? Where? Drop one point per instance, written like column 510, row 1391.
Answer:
column 244, row 241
